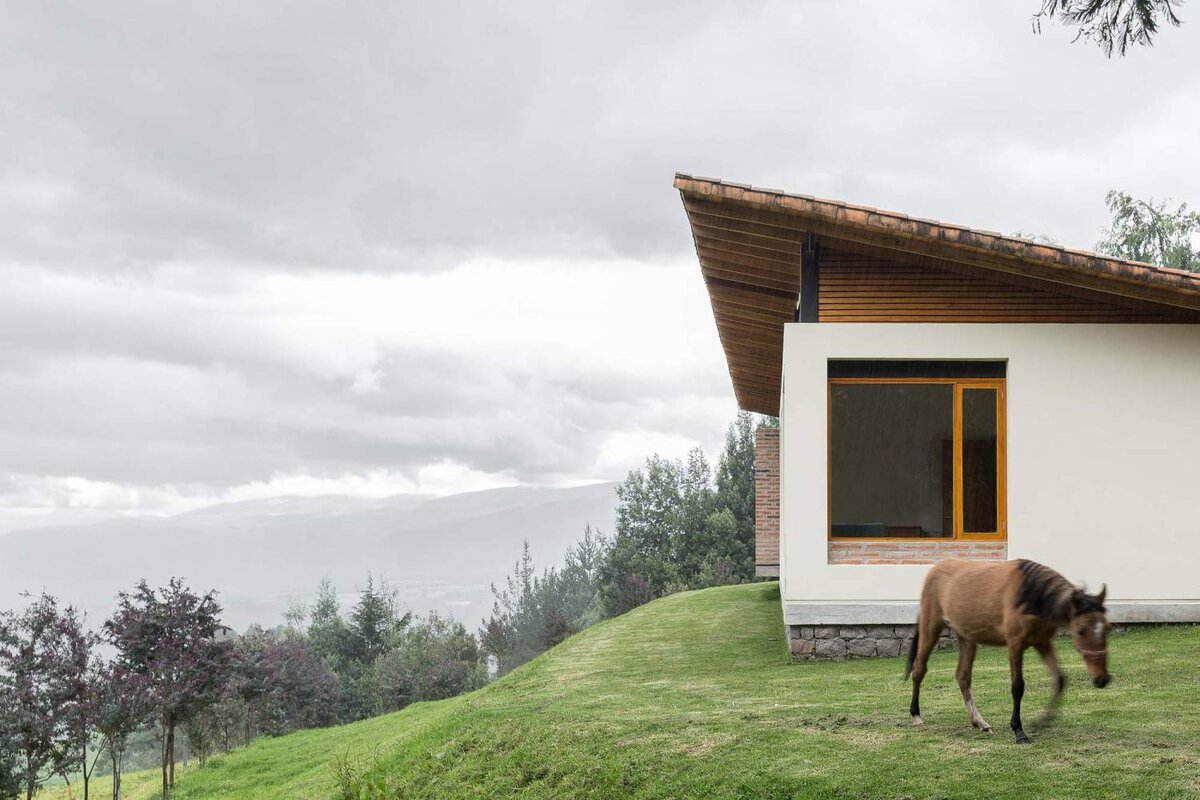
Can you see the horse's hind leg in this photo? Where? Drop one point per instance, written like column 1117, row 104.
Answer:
column 929, row 628
column 966, row 660
column 1016, row 655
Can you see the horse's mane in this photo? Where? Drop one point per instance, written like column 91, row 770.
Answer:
column 1044, row 592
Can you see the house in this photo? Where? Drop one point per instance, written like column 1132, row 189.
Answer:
column 944, row 391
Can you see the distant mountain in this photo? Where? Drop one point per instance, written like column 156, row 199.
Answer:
column 54, row 518
column 261, row 555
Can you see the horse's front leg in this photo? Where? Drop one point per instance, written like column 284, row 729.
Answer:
column 1016, row 655
column 966, row 661
column 1046, row 651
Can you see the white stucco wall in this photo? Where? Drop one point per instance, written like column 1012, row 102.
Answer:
column 1103, row 462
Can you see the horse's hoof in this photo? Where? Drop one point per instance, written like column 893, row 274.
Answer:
column 916, row 720
column 985, row 729
column 1024, row 740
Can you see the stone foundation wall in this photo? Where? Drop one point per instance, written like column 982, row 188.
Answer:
column 837, row 642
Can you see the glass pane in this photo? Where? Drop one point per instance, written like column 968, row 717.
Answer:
column 979, row 461
column 891, row 460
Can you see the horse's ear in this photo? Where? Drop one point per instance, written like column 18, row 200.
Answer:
column 1103, row 592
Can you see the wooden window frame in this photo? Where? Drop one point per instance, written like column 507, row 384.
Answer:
column 958, row 384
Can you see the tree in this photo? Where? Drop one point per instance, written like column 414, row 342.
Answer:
column 275, row 686
column 727, row 559
column 532, row 613
column 373, row 629
column 576, row 587
column 122, row 705
column 169, row 637
column 327, row 631
column 1143, row 230
column 81, row 672
column 295, row 619
column 634, row 591
column 648, row 523
column 218, row 727
column 735, row 492
column 10, row 781
column 676, row 529
column 374, row 622
column 1112, row 24
column 347, row 647
column 511, row 634
column 735, row 476
column 436, row 658
column 242, row 696
column 697, row 501
column 37, row 676
column 352, row 645
column 302, row 691
column 556, row 628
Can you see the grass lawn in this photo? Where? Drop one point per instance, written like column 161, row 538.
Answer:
column 693, row 696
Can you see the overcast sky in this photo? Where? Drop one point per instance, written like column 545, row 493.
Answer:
column 274, row 248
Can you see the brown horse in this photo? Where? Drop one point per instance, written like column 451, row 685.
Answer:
column 1013, row 604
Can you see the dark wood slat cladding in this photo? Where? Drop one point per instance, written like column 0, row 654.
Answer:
column 780, row 229
column 865, row 288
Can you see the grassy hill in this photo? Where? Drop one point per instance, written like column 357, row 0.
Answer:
column 692, row 696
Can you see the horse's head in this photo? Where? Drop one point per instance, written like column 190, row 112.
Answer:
column 1089, row 632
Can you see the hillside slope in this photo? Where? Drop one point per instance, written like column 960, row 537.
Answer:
column 692, row 696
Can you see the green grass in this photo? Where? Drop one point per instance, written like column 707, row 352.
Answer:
column 693, row 696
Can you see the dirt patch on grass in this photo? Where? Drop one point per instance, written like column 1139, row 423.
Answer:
column 706, row 745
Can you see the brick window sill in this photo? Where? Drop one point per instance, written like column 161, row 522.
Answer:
column 914, row 552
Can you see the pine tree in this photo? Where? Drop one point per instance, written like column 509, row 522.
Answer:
column 371, row 623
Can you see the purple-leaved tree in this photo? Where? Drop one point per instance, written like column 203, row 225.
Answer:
column 302, row 691
column 41, row 649
column 10, row 781
column 168, row 637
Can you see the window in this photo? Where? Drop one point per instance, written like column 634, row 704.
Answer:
column 916, row 450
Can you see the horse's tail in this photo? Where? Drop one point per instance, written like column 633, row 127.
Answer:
column 912, row 649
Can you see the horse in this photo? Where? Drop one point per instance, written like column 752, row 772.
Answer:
column 1014, row 604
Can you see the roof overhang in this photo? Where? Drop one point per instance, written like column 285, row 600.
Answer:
column 749, row 241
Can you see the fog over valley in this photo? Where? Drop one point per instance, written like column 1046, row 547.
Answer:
column 263, row 555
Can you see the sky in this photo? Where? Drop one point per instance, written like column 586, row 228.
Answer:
column 258, row 249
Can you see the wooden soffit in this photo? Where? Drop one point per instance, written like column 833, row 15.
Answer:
column 748, row 241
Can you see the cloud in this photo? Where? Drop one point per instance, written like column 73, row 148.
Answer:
column 155, row 394
column 412, row 136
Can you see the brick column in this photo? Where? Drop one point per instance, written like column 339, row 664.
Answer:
column 766, row 502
